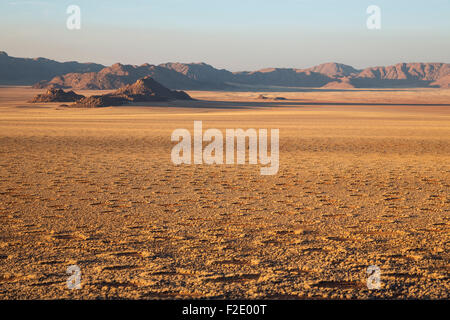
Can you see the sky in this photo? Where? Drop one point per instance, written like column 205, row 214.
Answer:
column 236, row 35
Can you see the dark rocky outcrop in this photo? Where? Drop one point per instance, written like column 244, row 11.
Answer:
column 143, row 90
column 57, row 95
column 264, row 97
column 147, row 89
column 98, row 101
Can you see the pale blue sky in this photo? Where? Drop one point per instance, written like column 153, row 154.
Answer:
column 232, row 34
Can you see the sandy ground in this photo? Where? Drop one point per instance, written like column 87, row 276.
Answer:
column 364, row 180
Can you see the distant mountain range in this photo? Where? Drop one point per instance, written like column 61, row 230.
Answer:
column 24, row 71
column 43, row 73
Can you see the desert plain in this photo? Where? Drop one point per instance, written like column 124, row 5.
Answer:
column 364, row 179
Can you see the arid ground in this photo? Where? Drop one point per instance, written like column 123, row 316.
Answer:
column 364, row 180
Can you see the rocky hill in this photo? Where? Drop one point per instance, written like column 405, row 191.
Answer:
column 334, row 70
column 119, row 75
column 284, row 77
column 201, row 72
column 404, row 75
column 143, row 90
column 57, row 95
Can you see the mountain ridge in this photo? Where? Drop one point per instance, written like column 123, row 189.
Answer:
column 202, row 76
column 26, row 71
